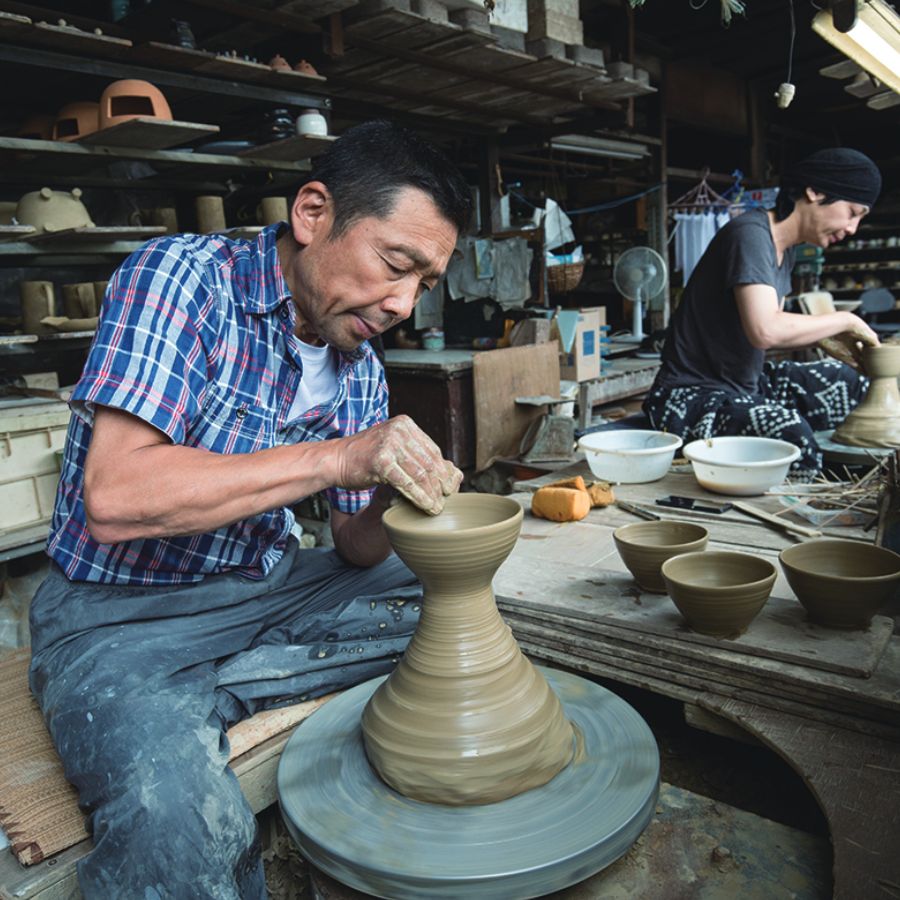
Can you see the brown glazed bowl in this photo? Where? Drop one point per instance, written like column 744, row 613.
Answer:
column 645, row 546
column 841, row 583
column 719, row 592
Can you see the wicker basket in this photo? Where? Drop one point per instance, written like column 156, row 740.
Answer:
column 564, row 277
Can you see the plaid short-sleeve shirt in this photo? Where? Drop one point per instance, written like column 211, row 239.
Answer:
column 196, row 338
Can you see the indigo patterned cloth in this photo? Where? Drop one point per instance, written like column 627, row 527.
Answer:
column 793, row 401
column 196, row 338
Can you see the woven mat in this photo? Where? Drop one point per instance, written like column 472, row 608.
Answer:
column 38, row 807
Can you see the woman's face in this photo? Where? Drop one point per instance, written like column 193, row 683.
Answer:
column 832, row 222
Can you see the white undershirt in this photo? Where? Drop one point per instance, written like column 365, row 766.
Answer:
column 319, row 383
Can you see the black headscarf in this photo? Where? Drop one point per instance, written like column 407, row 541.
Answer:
column 840, row 173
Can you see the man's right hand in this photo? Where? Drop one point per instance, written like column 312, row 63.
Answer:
column 400, row 454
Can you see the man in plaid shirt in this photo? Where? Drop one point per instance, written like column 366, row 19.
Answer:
column 227, row 381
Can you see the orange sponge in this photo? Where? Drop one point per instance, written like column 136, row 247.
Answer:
column 560, row 504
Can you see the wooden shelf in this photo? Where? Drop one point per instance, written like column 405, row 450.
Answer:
column 410, row 63
column 149, row 134
column 94, row 234
column 63, row 37
column 16, row 232
column 300, row 146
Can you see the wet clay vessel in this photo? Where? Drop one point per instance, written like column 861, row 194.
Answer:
column 645, row 546
column 876, row 421
column 719, row 592
column 841, row 584
column 465, row 718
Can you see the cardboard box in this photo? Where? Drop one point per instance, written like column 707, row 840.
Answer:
column 581, row 362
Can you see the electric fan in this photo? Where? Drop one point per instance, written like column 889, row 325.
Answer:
column 639, row 275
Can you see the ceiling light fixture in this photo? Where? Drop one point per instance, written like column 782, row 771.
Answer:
column 590, row 145
column 873, row 40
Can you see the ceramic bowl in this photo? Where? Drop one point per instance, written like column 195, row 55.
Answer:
column 719, row 592
column 841, row 583
column 645, row 546
column 741, row 465
column 629, row 455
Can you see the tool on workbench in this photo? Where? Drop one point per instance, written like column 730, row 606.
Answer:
column 775, row 520
column 638, row 511
column 708, row 506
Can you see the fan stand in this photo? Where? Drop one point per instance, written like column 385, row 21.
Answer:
column 637, row 324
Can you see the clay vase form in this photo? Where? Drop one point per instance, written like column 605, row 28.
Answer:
column 719, row 593
column 75, row 120
column 132, row 98
column 37, row 303
column 210, row 214
column 876, row 421
column 645, row 546
column 79, row 300
column 272, row 210
column 841, row 583
column 50, row 211
column 465, row 718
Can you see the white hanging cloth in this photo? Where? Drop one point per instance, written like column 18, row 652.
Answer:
column 693, row 233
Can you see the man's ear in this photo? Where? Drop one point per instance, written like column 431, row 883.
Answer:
column 311, row 212
column 814, row 196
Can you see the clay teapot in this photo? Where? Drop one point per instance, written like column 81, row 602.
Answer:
column 48, row 210
column 132, row 98
column 279, row 63
column 306, row 67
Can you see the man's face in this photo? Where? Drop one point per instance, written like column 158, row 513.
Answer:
column 358, row 285
column 832, row 222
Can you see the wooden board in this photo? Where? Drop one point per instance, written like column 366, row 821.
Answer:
column 149, row 133
column 84, row 234
column 499, row 376
column 16, row 232
column 854, row 779
column 573, row 569
column 69, row 38
column 299, row 146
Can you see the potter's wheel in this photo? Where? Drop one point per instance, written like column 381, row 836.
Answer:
column 352, row 826
column 848, row 453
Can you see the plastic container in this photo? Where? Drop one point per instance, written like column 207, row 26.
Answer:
column 629, row 455
column 30, row 434
column 740, row 465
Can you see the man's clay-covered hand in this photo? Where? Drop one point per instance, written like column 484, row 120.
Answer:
column 398, row 453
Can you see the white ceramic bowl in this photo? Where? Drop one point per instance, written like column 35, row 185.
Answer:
column 629, row 455
column 740, row 465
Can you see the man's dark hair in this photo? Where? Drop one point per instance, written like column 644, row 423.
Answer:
column 366, row 168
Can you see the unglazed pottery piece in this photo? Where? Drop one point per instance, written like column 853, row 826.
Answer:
column 271, row 210
column 465, row 718
column 37, row 127
column 76, row 120
column 841, row 583
column 132, row 98
column 51, row 211
column 876, row 421
column 38, row 302
column 645, row 546
column 719, row 592
column 80, row 300
column 210, row 214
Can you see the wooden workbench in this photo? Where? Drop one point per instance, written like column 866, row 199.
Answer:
column 827, row 701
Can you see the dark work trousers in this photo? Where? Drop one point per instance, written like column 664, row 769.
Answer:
column 138, row 686
column 793, row 400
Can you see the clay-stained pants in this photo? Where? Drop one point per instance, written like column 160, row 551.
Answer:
column 138, row 686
